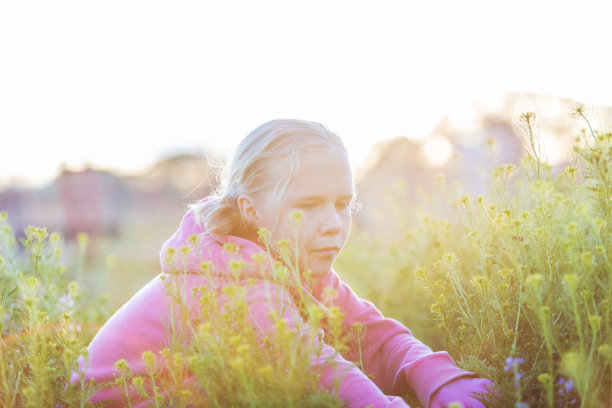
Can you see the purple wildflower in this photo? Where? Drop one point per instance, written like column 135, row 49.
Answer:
column 66, row 302
column 512, row 363
column 517, row 378
column 73, row 327
column 566, row 386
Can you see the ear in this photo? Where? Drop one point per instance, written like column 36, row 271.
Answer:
column 248, row 209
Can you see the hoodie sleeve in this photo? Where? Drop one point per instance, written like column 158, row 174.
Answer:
column 389, row 351
column 356, row 389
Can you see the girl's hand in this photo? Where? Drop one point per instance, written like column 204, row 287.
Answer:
column 461, row 391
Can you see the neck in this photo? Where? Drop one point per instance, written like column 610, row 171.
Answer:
column 246, row 232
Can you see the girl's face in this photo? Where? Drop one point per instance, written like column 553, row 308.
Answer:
column 323, row 190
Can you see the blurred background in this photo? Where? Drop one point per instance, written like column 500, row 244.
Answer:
column 114, row 116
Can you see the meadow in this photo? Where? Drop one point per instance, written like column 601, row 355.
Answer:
column 515, row 284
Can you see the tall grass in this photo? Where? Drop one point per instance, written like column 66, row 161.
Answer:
column 220, row 357
column 46, row 320
column 217, row 356
column 519, row 281
column 515, row 284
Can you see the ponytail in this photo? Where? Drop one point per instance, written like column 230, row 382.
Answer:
column 218, row 215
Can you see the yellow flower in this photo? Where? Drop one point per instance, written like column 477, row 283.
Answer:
column 242, row 349
column 330, row 294
column 205, row 327
column 280, row 325
column 336, row 313
column 544, row 378
column 229, row 247
column 296, row 216
column 587, row 258
column 595, row 321
column 138, row 382
column 571, row 281
column 421, row 273
column 236, row 267
column 149, row 359
column 234, row 340
column 264, row 235
column 259, row 257
column 280, row 270
column 29, row 302
column 165, row 354
column 237, row 363
column 358, row 327
column 83, row 240
column 122, row 366
column 233, row 291
column 478, row 282
column 283, row 246
column 55, row 238
column 605, row 350
column 179, row 360
column 534, row 280
column 572, row 362
column 450, row 259
column 205, row 266
column 316, row 315
column 265, row 372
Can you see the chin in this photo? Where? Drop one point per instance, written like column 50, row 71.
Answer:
column 320, row 269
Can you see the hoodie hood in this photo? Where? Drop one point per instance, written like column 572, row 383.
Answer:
column 191, row 244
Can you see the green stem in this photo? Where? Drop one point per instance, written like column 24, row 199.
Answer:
column 578, row 322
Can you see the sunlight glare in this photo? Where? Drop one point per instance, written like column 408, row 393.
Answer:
column 437, row 150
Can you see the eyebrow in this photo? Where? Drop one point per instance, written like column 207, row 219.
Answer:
column 321, row 198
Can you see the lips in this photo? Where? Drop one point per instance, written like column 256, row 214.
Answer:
column 326, row 251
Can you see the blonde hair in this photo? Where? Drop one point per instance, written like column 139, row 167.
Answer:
column 265, row 161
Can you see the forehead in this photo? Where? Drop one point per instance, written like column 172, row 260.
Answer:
column 325, row 173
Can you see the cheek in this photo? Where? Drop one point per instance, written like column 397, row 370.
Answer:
column 284, row 229
column 346, row 230
column 307, row 231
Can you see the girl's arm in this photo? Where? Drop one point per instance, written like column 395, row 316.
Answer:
column 356, row 389
column 390, row 352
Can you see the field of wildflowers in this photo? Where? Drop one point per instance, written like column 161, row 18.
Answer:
column 515, row 284
column 518, row 282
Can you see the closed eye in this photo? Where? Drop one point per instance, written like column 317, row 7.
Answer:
column 342, row 205
column 307, row 205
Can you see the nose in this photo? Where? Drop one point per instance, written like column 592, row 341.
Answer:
column 331, row 223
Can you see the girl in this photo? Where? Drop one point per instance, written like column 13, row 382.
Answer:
column 282, row 167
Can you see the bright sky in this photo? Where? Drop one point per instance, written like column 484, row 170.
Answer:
column 121, row 83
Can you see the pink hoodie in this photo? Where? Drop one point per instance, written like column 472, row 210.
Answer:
column 395, row 358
